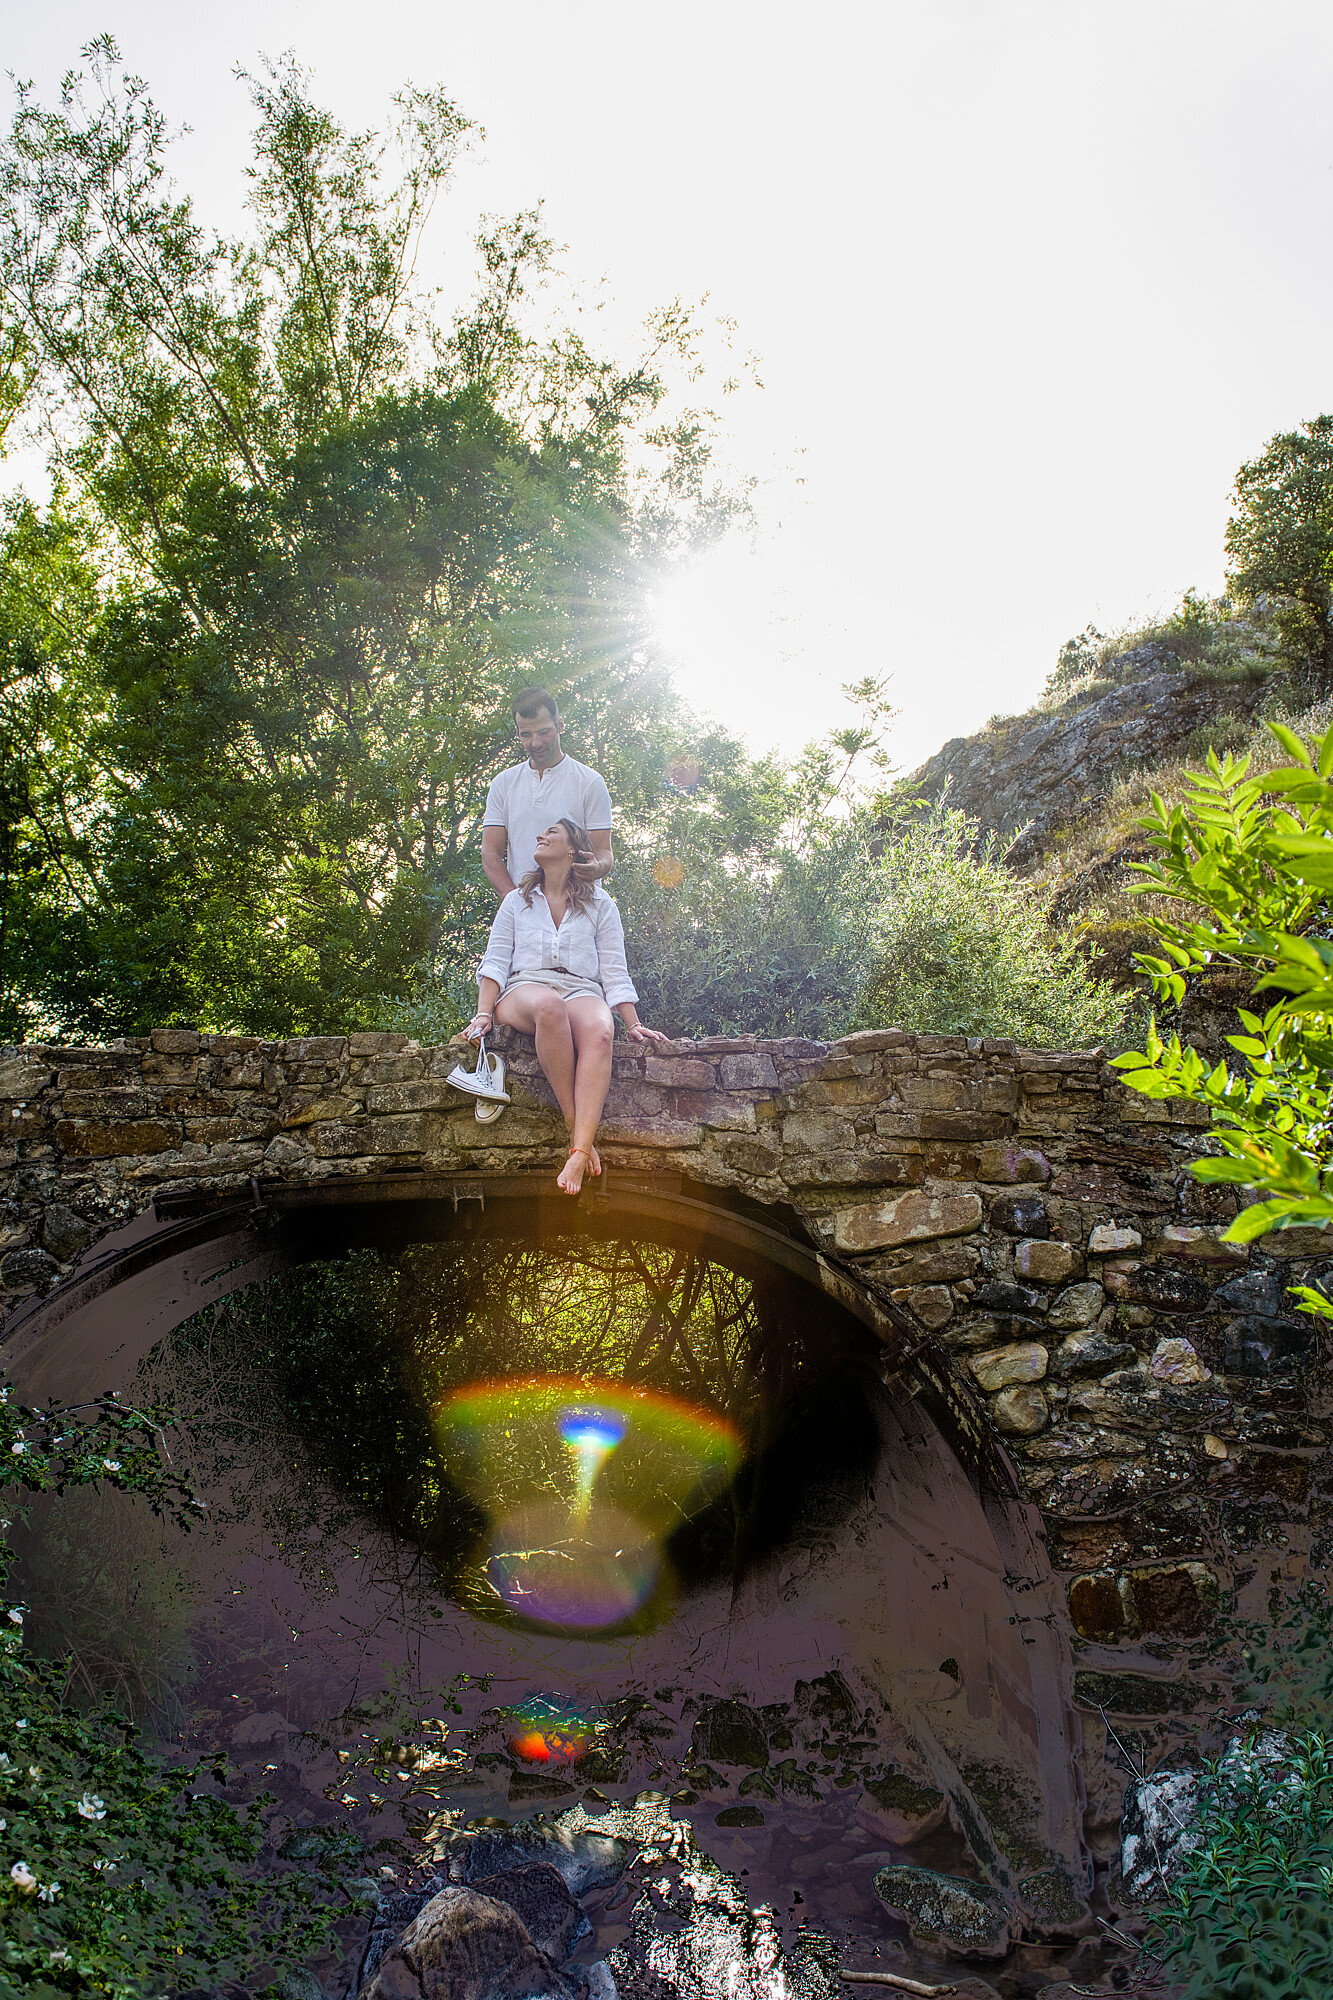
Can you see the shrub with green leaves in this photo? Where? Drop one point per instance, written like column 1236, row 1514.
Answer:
column 1247, row 864
column 957, row 945
column 1250, row 1912
column 120, row 1874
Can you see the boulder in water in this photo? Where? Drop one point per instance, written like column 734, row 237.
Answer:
column 730, row 1733
column 910, row 1808
column 1052, row 1906
column 464, row 1946
column 1157, row 1829
column 553, row 1920
column 965, row 1919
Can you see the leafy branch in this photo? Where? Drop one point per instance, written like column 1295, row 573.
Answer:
column 1246, row 866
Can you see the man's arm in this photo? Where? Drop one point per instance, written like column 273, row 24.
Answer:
column 599, row 840
column 494, row 845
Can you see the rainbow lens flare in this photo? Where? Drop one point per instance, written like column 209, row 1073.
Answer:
column 583, row 1482
column 546, row 1732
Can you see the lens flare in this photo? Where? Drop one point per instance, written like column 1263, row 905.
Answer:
column 547, row 1732
column 592, row 1436
column 669, row 872
column 582, row 1483
column 684, row 773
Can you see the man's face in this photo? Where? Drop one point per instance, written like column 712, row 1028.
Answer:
column 540, row 736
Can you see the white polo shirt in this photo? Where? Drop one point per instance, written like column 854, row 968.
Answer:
column 525, row 802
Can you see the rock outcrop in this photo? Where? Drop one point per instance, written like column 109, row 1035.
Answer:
column 1042, row 772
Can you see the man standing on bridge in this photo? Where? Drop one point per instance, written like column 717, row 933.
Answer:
column 528, row 798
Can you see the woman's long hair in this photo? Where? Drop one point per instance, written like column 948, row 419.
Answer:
column 580, row 892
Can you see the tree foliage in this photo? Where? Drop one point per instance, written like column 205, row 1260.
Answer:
column 957, row 945
column 1248, row 866
column 1280, row 540
column 304, row 542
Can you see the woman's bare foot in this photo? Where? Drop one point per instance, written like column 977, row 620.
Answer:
column 594, row 1162
column 570, row 1177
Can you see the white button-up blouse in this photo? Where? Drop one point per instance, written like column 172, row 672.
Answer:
column 589, row 942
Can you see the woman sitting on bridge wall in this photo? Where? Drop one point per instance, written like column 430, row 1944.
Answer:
column 554, row 968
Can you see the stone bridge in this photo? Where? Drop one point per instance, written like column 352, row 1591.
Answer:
column 1043, row 1277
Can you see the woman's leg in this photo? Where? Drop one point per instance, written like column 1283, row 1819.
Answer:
column 594, row 1034
column 540, row 1012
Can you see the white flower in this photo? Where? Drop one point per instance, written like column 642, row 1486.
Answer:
column 48, row 1892
column 111, row 1464
column 23, row 1878
column 3, row 1824
column 34, row 1772
column 22, row 1722
column 106, row 1866
column 18, row 1449
column 59, row 1957
column 15, row 1615
column 5, row 1764
column 91, row 1807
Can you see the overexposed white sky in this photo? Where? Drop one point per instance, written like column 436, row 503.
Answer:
column 1028, row 279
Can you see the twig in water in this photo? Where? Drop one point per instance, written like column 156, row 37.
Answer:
column 897, row 1981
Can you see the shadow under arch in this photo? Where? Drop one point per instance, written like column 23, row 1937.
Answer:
column 945, row 1604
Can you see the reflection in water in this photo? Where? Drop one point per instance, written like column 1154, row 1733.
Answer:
column 313, row 1406
column 549, row 1733
column 580, row 1497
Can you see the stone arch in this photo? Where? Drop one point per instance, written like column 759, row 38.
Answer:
column 951, row 1539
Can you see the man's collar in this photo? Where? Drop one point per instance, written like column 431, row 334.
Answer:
column 539, row 768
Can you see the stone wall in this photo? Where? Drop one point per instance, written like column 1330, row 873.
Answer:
column 1026, row 1223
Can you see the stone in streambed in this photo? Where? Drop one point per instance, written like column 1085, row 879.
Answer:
column 1052, row 1906
column 584, row 1860
column 539, row 1899
column 965, row 1919
column 466, row 1947
column 730, row 1733
column 911, row 1809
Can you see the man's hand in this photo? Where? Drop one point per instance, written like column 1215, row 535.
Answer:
column 601, row 863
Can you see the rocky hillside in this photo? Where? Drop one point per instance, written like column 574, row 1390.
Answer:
column 1028, row 778
column 1063, row 786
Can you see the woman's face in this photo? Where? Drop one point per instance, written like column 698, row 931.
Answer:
column 553, row 845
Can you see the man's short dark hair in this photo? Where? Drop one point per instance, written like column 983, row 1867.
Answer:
column 532, row 701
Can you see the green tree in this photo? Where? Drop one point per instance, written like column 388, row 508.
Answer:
column 1280, row 539
column 319, row 537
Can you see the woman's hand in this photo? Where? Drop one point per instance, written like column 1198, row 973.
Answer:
column 636, row 1032
column 480, row 1024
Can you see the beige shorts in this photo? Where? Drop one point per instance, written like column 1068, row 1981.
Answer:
column 567, row 984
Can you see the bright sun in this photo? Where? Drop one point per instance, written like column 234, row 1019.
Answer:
column 728, row 628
